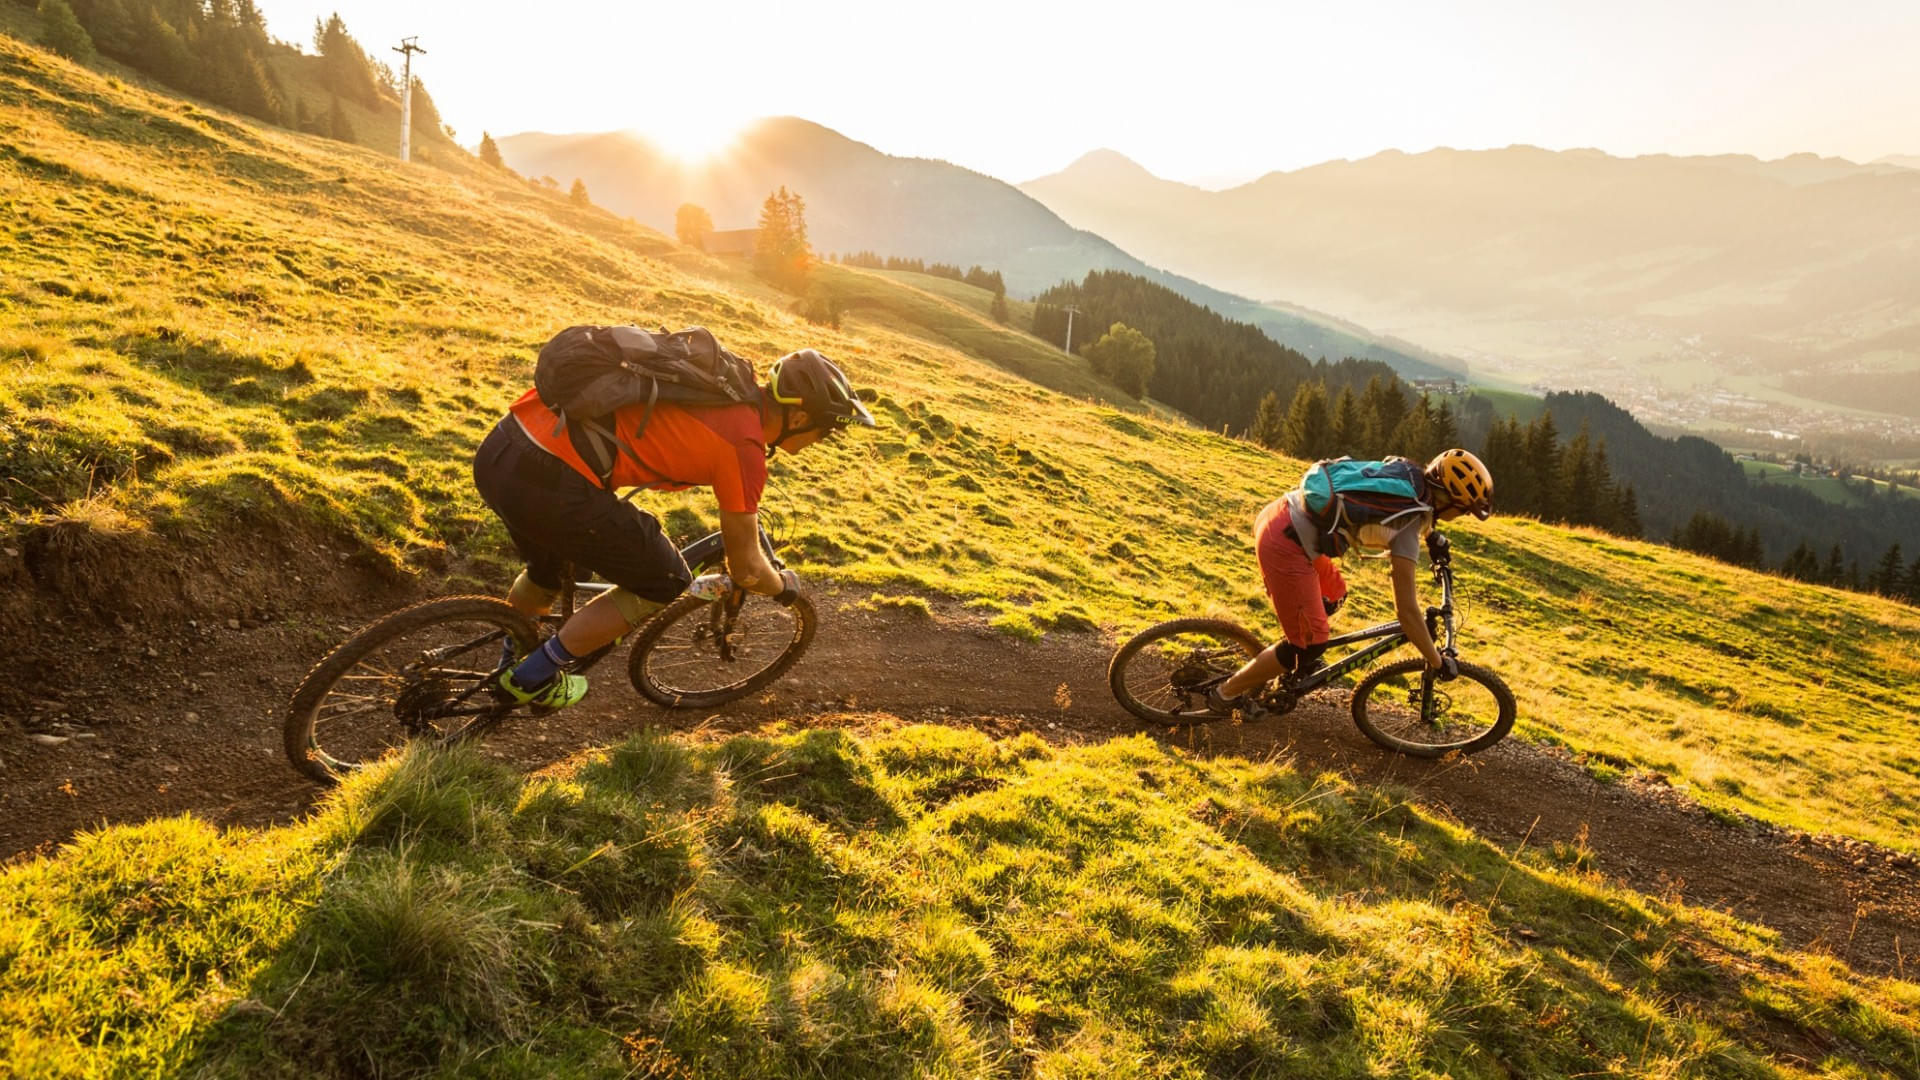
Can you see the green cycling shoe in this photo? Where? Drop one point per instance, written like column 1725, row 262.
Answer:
column 558, row 692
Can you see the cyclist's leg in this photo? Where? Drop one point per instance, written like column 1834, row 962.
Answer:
column 1294, row 585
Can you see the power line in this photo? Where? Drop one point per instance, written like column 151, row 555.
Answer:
column 407, row 47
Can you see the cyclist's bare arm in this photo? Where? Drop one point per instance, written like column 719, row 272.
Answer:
column 1406, row 605
column 747, row 564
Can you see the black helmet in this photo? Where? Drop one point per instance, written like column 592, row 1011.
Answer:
column 814, row 383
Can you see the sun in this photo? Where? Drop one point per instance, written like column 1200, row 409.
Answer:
column 692, row 135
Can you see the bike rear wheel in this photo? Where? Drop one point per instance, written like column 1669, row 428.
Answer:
column 1400, row 708
column 699, row 653
column 1161, row 674
column 420, row 673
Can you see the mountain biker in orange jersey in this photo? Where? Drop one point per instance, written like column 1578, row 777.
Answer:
column 535, row 478
column 1306, row 587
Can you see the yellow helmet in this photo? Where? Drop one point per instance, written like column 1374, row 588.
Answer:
column 1465, row 480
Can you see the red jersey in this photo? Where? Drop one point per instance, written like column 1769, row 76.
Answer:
column 722, row 448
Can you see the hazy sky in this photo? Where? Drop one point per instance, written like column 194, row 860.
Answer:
column 1207, row 91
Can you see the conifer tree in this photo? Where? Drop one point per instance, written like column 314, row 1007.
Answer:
column 577, row 194
column 998, row 309
column 1628, row 515
column 1415, row 433
column 1801, row 563
column 1543, row 464
column 1308, row 430
column 1269, row 422
column 1576, row 465
column 1885, row 578
column 345, row 70
column 1348, row 427
column 1443, row 435
column 780, row 250
column 1912, row 590
column 63, row 33
column 1383, row 407
column 490, row 152
column 1833, row 573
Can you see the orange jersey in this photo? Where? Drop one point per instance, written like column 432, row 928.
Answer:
column 722, row 448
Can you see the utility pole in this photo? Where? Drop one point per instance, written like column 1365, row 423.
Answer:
column 1071, row 312
column 407, row 47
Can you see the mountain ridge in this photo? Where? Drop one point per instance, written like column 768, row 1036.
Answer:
column 862, row 199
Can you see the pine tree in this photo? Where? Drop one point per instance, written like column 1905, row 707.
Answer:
column 780, row 250
column 490, row 152
column 1445, row 434
column 1383, row 407
column 1912, row 590
column 1885, row 578
column 1833, row 573
column 1308, row 430
column 1543, row 465
column 1269, row 422
column 63, row 33
column 1415, row 432
column 1576, row 465
column 345, row 70
column 1629, row 514
column 1801, row 563
column 1348, row 427
column 577, row 194
column 998, row 309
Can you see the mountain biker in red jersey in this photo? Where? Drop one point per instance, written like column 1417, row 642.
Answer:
column 1305, row 585
column 533, row 475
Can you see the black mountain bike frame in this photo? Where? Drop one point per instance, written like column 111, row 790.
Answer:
column 1387, row 635
column 702, row 556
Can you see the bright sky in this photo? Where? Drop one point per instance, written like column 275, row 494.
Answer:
column 1206, row 91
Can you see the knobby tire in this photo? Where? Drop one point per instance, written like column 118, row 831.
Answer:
column 302, row 711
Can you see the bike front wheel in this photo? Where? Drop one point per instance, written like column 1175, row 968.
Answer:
column 1402, row 709
column 421, row 673
column 1162, row 674
column 698, row 653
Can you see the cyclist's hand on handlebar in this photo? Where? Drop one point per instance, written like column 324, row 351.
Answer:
column 789, row 588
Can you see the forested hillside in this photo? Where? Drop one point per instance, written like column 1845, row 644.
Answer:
column 1206, row 365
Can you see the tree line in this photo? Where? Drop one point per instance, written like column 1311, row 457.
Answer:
column 1534, row 473
column 978, row 276
column 1209, row 367
column 219, row 50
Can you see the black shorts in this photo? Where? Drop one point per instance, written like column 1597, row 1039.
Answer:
column 556, row 516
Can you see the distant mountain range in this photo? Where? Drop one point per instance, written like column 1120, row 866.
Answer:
column 860, row 199
column 1686, row 288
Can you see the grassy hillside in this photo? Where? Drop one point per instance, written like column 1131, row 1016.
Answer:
column 232, row 355
column 223, row 342
column 908, row 902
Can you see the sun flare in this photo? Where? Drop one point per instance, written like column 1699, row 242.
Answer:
column 692, row 136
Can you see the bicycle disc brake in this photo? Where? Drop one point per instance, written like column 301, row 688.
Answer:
column 419, row 704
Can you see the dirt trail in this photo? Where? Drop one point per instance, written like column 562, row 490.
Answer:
column 155, row 725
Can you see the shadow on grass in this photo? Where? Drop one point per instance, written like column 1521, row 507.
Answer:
column 929, row 901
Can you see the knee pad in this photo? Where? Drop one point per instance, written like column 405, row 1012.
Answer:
column 633, row 607
column 526, row 594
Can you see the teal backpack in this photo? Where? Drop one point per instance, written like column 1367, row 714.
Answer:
column 1343, row 494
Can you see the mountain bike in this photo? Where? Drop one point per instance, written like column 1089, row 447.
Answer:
column 428, row 672
column 1163, row 673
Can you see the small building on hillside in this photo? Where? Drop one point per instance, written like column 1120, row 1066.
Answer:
column 731, row 241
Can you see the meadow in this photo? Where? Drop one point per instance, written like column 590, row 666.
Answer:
column 895, row 901
column 220, row 340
